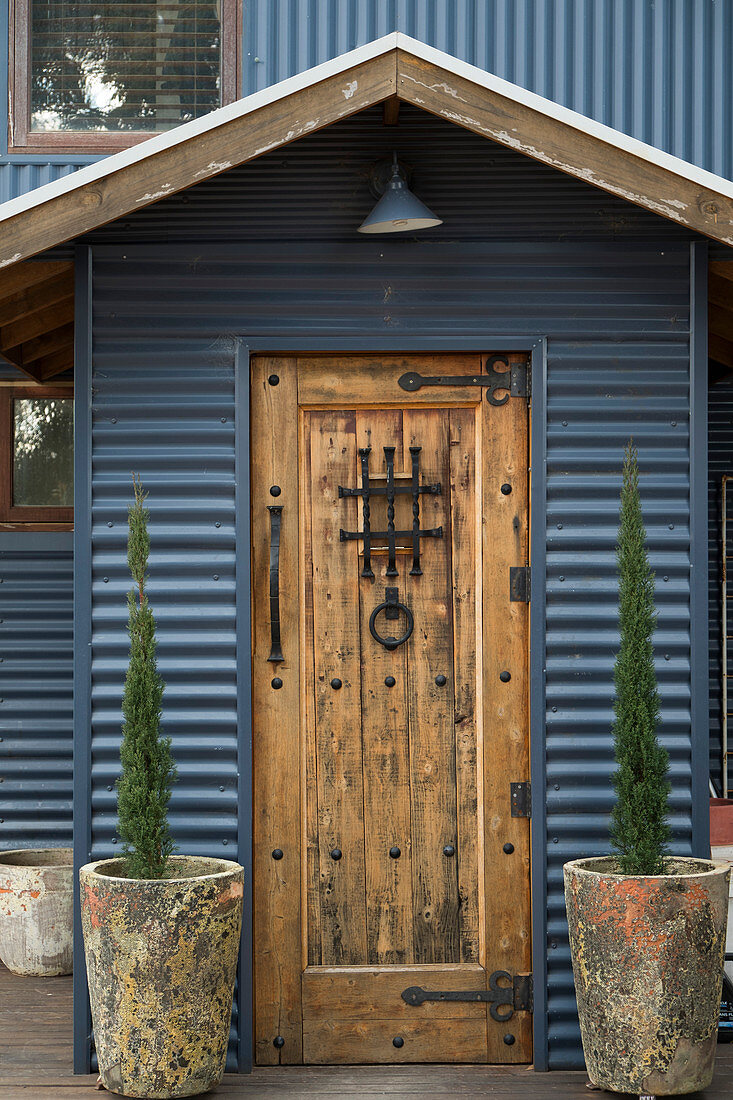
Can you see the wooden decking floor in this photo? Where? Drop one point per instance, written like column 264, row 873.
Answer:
column 35, row 1061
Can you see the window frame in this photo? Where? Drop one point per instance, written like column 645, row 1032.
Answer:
column 18, row 514
column 22, row 139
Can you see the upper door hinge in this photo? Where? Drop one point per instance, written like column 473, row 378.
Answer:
column 514, row 381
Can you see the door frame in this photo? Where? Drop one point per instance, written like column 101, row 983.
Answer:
column 371, row 343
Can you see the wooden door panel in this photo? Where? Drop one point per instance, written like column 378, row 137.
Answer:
column 380, row 857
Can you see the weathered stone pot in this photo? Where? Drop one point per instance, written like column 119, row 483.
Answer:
column 648, row 964
column 161, row 960
column 37, row 911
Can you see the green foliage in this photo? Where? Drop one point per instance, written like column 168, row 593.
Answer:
column 148, row 772
column 639, row 826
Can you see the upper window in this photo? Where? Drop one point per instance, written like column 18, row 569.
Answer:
column 100, row 76
column 36, row 455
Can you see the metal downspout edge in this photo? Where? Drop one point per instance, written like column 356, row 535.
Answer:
column 537, row 671
column 82, row 822
column 244, row 700
column 699, row 641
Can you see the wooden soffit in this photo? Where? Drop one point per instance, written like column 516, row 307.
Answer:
column 395, row 68
column 37, row 318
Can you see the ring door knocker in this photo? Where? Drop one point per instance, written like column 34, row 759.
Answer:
column 391, row 604
column 392, row 608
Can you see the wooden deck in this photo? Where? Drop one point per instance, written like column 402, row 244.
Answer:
column 35, row 1061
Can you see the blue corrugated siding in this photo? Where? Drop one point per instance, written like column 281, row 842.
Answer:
column 36, row 639
column 166, row 411
column 617, row 317
column 597, row 398
column 662, row 72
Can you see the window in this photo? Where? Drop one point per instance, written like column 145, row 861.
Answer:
column 36, row 455
column 101, row 76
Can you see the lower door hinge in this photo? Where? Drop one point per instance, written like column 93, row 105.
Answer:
column 515, row 995
column 520, row 584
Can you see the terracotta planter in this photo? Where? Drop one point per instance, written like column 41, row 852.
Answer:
column 161, row 960
column 648, row 964
column 37, row 910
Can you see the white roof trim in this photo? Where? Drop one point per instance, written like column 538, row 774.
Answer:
column 396, row 40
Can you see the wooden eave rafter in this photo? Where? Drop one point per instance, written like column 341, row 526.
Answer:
column 37, row 318
column 393, row 69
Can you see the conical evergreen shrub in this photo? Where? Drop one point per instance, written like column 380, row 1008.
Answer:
column 148, row 772
column 639, row 824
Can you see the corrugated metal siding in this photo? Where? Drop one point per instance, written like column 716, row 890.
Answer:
column 720, row 459
column 36, row 705
column 597, row 398
column 17, row 177
column 166, row 411
column 662, row 72
column 481, row 189
column 617, row 315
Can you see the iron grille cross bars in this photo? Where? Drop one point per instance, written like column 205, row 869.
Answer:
column 390, row 490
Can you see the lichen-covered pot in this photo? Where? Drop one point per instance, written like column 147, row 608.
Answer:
column 37, row 910
column 161, row 960
column 648, row 963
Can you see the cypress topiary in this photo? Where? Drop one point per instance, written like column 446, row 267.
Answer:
column 148, row 772
column 639, row 826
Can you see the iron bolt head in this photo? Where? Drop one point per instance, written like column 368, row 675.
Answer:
column 390, row 681
column 398, row 1041
column 508, row 848
column 509, row 1039
column 505, row 676
column 449, row 850
column 274, row 379
column 277, row 853
column 506, row 489
column 278, row 1042
column 394, row 852
column 275, row 490
column 276, row 682
column 336, row 854
column 336, row 683
column 441, row 680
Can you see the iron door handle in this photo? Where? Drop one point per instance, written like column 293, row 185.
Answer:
column 276, row 511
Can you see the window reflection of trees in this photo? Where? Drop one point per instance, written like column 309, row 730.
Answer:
column 145, row 65
column 43, row 463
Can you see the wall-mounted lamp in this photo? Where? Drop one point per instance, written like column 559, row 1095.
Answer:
column 398, row 210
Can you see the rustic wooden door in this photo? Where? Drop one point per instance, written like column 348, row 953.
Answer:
column 390, row 710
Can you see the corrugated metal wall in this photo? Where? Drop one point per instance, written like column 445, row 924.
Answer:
column 166, row 411
column 36, row 698
column 617, row 317
column 662, row 72
column 720, row 457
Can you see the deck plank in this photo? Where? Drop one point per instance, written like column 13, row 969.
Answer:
column 36, row 1061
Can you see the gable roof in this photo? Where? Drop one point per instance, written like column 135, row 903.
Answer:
column 393, row 67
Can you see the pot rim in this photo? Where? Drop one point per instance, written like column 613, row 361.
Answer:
column 228, row 867
column 712, row 867
column 39, row 865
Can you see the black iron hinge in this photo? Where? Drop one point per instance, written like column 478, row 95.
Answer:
column 520, row 584
column 514, row 381
column 521, row 799
column 516, row 995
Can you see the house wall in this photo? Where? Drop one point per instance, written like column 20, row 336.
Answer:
column 36, row 672
column 662, row 72
column 269, row 250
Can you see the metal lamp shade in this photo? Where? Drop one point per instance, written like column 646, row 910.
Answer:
column 398, row 210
